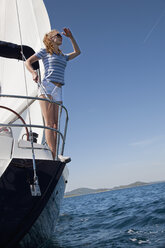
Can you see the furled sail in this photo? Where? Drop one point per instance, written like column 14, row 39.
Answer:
column 22, row 22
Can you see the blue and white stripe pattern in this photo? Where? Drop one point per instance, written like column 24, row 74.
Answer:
column 54, row 66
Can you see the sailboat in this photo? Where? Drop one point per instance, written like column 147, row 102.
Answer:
column 32, row 184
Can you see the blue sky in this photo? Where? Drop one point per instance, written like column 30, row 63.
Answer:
column 114, row 90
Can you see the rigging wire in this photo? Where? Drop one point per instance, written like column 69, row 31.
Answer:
column 35, row 187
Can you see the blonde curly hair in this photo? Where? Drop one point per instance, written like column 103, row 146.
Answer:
column 48, row 43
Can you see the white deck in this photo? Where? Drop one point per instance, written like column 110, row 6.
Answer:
column 10, row 148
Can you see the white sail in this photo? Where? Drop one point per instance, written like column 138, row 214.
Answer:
column 26, row 22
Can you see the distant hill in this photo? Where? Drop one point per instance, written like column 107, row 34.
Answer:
column 85, row 191
column 136, row 184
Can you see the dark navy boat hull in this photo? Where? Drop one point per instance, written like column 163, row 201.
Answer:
column 18, row 208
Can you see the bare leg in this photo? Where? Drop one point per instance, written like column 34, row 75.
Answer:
column 50, row 114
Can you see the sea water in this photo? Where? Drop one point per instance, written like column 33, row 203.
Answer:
column 125, row 218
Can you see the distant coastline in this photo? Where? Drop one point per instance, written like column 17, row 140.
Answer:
column 87, row 191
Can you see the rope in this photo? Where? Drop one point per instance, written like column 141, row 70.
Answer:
column 25, row 81
column 4, row 107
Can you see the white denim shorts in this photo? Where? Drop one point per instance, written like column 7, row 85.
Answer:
column 48, row 88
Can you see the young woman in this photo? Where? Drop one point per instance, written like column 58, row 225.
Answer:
column 54, row 64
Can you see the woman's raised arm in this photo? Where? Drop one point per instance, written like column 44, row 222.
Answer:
column 76, row 48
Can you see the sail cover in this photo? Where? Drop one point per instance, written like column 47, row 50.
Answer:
column 14, row 51
column 22, row 22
